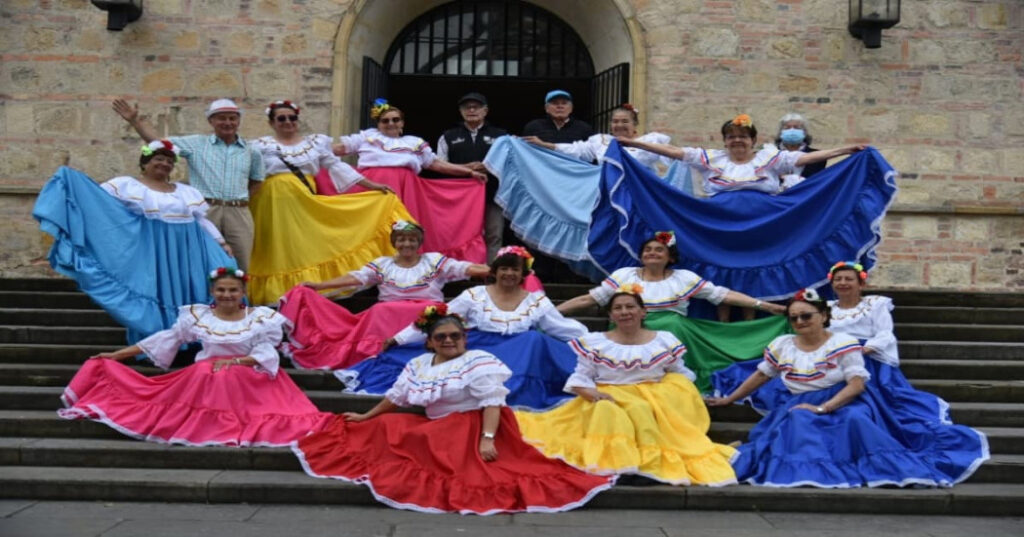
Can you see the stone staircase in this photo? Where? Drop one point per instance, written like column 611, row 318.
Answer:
column 967, row 348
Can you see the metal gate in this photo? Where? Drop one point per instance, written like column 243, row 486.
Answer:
column 375, row 84
column 608, row 90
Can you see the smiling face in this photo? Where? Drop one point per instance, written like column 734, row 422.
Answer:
column 625, row 311
column 227, row 292
column 739, row 143
column 447, row 340
column 806, row 319
column 225, row 124
column 622, row 124
column 159, row 167
column 284, row 121
column 655, row 255
column 407, row 243
column 508, row 277
column 390, row 123
column 847, row 284
column 559, row 108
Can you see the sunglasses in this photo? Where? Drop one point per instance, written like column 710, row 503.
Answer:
column 282, row 119
column 802, row 317
column 454, row 336
column 391, row 120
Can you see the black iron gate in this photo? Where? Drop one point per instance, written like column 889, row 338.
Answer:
column 608, row 90
column 375, row 84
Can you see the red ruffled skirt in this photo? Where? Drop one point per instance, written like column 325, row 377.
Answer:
column 236, row 406
column 328, row 336
column 451, row 211
column 412, row 462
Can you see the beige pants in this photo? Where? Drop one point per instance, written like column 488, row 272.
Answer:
column 494, row 229
column 235, row 223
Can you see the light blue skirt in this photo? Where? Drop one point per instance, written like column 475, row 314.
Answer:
column 139, row 270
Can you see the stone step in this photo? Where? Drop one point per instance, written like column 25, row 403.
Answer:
column 122, row 453
column 960, row 350
column 968, row 413
column 91, row 335
column 60, row 375
column 1009, row 391
column 38, row 284
column 36, row 299
column 960, row 332
column 46, row 423
column 255, row 486
column 957, row 315
column 963, row 369
column 70, row 318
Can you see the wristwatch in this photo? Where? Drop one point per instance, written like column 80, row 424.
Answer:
column 489, row 436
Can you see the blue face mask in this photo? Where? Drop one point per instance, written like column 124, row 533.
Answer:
column 792, row 136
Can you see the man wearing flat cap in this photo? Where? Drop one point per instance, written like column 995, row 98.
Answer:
column 559, row 127
column 222, row 166
column 468, row 144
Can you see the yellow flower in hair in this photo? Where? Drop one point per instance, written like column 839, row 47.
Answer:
column 631, row 289
column 743, row 120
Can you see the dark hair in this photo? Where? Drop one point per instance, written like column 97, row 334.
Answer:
column 673, row 251
column 850, row 268
column 729, row 126
column 144, row 159
column 819, row 305
column 509, row 260
column 629, row 109
column 275, row 106
column 418, row 230
column 639, row 300
column 389, row 109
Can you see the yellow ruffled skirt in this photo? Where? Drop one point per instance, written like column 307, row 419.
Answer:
column 656, row 429
column 302, row 237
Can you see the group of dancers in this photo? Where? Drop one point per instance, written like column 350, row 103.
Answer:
column 525, row 409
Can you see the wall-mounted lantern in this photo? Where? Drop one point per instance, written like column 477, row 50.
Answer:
column 869, row 17
column 120, row 12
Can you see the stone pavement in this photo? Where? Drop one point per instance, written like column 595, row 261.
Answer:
column 28, row 518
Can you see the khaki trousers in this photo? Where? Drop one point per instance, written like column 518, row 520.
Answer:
column 235, row 223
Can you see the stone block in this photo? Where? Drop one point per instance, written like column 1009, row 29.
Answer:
column 324, row 29
column 939, row 14
column 799, row 85
column 186, row 40
column 715, row 42
column 992, row 16
column 271, row 83
column 879, row 122
column 216, row 9
column 1013, row 162
column 981, row 162
column 928, row 126
column 834, row 47
column 936, row 160
column 58, row 120
column 166, row 7
column 21, row 76
column 19, row 119
column 36, row 39
column 294, row 44
column 920, row 227
column 216, row 82
column 167, row 81
column 240, row 44
column 897, row 274
column 916, row 193
column 971, row 229
column 980, row 125
column 949, row 274
column 785, row 48
column 91, row 39
column 268, row 8
column 945, row 86
column 757, row 10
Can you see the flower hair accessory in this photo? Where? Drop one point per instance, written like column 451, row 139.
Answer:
column 220, row 272
column 743, row 120
column 405, row 225
column 379, row 106
column 861, row 273
column 807, row 295
column 631, row 289
column 156, row 145
column 432, row 314
column 631, row 107
column 518, row 251
column 668, row 238
column 280, row 104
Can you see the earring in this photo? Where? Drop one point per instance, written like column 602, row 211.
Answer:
column 213, row 305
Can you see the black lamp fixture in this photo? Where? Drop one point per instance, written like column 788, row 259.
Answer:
column 869, row 17
column 120, row 12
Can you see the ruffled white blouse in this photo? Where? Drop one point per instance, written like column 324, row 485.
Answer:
column 182, row 206
column 600, row 360
column 480, row 312
column 423, row 281
column 763, row 173
column 377, row 150
column 838, row 359
column 593, row 148
column 671, row 294
column 474, row 380
column 256, row 335
column 870, row 320
column 310, row 155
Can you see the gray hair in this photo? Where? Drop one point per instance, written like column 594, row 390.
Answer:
column 793, row 116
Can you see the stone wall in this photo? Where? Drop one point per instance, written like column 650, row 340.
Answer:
column 942, row 99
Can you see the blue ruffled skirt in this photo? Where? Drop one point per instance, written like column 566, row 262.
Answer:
column 540, row 366
column 138, row 270
column 862, row 443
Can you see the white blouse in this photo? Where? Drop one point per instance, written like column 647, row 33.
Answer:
column 869, row 320
column 671, row 294
column 256, row 335
column 600, row 360
column 182, row 206
column 836, row 360
column 474, row 380
column 763, row 173
column 480, row 312
column 423, row 281
column 310, row 155
column 593, row 148
column 377, row 150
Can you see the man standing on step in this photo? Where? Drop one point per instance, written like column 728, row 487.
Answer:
column 224, row 168
column 559, row 127
column 468, row 144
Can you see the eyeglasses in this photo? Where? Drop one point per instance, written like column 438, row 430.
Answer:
column 802, row 317
column 454, row 336
column 390, row 120
column 282, row 119
column 737, row 137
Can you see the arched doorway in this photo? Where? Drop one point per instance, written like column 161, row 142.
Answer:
column 511, row 51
